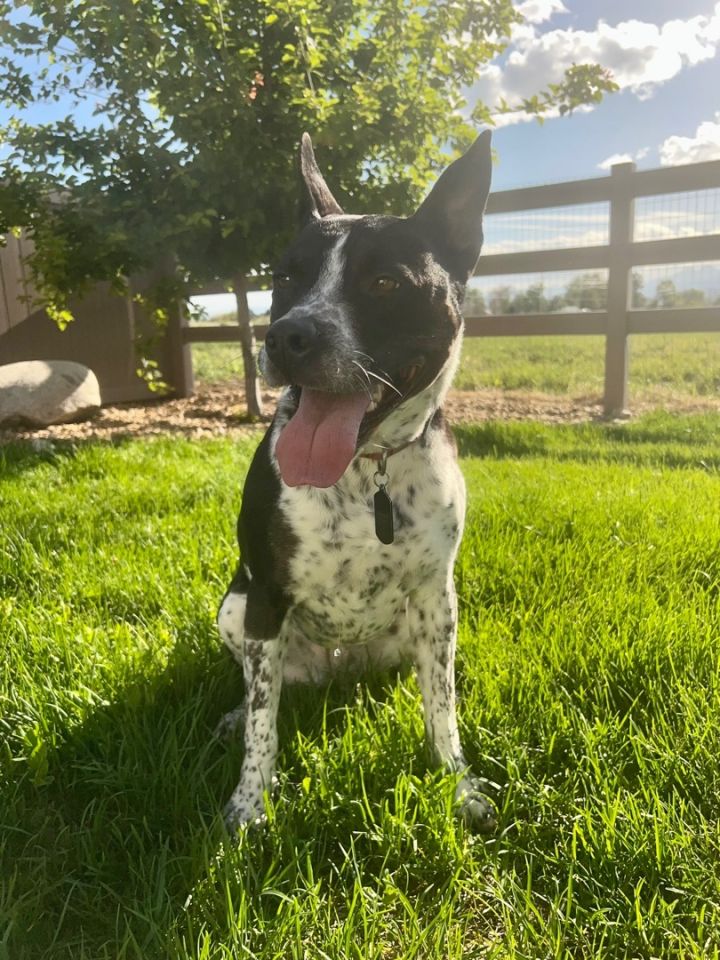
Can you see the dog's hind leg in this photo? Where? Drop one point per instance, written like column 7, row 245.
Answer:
column 231, row 624
column 260, row 647
column 433, row 627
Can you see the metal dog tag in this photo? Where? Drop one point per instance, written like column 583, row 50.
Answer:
column 384, row 529
column 384, row 517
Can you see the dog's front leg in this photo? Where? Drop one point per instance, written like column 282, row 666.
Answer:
column 262, row 661
column 433, row 628
column 262, row 666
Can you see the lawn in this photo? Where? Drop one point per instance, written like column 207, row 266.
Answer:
column 662, row 367
column 589, row 584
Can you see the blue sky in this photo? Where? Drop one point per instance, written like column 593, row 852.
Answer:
column 663, row 53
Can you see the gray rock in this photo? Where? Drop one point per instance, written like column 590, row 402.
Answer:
column 42, row 392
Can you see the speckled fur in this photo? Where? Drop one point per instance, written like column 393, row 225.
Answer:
column 317, row 595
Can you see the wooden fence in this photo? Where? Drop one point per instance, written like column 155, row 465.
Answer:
column 105, row 334
column 619, row 256
column 92, row 341
column 16, row 289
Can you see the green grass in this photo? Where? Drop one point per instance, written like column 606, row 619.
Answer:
column 661, row 367
column 589, row 583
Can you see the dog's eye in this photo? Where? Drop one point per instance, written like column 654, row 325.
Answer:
column 282, row 280
column 384, row 284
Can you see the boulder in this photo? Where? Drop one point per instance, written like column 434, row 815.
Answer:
column 39, row 393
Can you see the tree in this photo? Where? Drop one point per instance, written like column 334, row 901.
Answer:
column 666, row 294
column 587, row 292
column 534, row 300
column 638, row 298
column 199, row 107
column 500, row 301
column 474, row 302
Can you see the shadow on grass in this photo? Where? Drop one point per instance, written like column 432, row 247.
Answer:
column 106, row 836
column 659, row 443
column 19, row 457
column 656, row 439
column 114, row 849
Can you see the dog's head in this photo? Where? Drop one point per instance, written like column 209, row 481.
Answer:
column 366, row 314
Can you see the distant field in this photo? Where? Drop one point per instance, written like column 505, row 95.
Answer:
column 683, row 365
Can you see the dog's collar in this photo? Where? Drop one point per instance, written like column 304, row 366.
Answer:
column 382, row 504
column 385, row 453
column 382, row 455
column 384, row 523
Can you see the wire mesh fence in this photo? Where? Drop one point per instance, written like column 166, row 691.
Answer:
column 555, row 228
column 694, row 213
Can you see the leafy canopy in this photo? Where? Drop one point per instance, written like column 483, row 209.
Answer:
column 198, row 108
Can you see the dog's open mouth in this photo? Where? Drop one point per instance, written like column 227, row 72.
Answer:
column 386, row 394
column 316, row 446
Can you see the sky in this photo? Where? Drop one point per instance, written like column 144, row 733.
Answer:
column 665, row 56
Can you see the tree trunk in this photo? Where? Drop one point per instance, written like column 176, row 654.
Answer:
column 247, row 341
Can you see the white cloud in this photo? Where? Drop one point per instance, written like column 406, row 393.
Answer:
column 705, row 145
column 623, row 158
column 640, row 55
column 613, row 159
column 555, row 239
column 538, row 11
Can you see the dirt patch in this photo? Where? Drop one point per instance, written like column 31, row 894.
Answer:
column 216, row 411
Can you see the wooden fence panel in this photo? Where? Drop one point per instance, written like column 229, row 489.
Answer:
column 618, row 256
column 17, row 293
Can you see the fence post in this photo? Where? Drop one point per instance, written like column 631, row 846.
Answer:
column 622, row 215
column 170, row 347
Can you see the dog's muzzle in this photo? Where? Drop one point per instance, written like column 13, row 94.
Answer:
column 308, row 349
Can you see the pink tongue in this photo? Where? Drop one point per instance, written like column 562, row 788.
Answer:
column 317, row 445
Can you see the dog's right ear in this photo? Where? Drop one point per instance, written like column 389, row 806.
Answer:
column 318, row 200
column 452, row 213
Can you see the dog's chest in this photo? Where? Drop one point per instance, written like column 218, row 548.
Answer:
column 348, row 587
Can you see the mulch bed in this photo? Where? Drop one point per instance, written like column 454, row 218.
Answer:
column 216, row 411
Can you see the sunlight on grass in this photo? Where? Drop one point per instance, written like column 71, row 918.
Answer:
column 588, row 580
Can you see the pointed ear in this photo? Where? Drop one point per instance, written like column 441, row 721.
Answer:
column 452, row 213
column 319, row 202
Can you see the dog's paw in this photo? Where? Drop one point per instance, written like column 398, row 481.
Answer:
column 232, row 724
column 475, row 808
column 243, row 812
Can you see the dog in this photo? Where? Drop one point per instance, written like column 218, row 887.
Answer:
column 353, row 507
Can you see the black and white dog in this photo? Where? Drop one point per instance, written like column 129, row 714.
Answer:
column 353, row 506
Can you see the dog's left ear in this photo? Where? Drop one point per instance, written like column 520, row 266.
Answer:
column 320, row 201
column 452, row 213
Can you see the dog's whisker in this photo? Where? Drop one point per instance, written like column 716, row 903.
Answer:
column 358, row 364
column 365, row 386
column 373, row 363
column 383, row 380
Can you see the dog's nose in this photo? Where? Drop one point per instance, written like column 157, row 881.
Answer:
column 290, row 340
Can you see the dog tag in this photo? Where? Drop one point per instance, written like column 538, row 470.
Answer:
column 384, row 517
